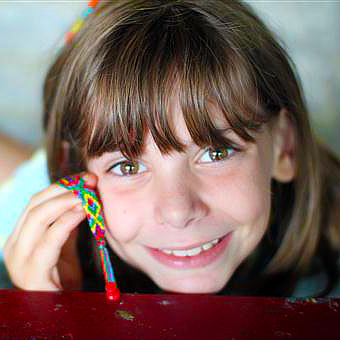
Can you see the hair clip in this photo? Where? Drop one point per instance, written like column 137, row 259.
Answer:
column 79, row 22
column 92, row 207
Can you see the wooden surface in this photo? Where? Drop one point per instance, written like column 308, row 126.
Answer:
column 68, row 316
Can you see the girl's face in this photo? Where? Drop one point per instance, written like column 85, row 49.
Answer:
column 188, row 219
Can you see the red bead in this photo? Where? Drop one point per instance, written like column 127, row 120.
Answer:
column 112, row 292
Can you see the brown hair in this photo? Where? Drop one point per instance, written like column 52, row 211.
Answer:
column 112, row 86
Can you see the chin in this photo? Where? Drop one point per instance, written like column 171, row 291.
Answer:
column 193, row 285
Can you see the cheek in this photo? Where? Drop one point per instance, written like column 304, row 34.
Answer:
column 121, row 212
column 244, row 194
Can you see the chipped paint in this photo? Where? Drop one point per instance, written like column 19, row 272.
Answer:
column 164, row 302
column 124, row 314
column 293, row 301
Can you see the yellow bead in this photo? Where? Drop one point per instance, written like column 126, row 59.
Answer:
column 77, row 26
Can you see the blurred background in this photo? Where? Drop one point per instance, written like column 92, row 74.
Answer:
column 32, row 30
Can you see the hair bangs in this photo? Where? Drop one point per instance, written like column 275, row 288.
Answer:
column 149, row 63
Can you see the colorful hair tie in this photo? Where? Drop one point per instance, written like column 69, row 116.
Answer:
column 79, row 22
column 93, row 210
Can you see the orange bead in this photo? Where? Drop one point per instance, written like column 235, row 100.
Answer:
column 92, row 4
column 68, row 37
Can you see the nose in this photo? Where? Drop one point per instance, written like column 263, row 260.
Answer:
column 178, row 203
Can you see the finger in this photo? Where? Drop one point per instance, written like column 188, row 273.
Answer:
column 52, row 242
column 32, row 222
column 38, row 271
column 52, row 191
column 55, row 190
column 41, row 196
column 39, row 219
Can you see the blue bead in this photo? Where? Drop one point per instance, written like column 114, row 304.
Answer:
column 86, row 13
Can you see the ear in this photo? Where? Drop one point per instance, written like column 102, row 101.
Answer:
column 284, row 144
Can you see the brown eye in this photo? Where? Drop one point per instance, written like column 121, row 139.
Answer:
column 215, row 155
column 127, row 168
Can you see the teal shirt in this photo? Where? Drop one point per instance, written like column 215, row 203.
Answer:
column 15, row 193
column 315, row 284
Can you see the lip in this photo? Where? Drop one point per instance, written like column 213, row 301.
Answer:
column 191, row 262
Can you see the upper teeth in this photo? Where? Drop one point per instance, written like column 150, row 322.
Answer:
column 191, row 252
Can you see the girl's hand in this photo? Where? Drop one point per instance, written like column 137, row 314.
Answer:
column 40, row 254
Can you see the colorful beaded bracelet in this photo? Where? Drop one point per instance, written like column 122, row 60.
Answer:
column 93, row 210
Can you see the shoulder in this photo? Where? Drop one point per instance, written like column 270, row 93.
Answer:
column 314, row 284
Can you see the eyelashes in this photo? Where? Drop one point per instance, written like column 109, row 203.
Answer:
column 217, row 155
column 127, row 168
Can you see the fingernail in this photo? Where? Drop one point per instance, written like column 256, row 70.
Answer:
column 89, row 179
column 85, row 176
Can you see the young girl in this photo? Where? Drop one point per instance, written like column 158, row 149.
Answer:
column 187, row 118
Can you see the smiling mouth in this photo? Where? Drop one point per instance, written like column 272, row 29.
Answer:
column 200, row 256
column 192, row 251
